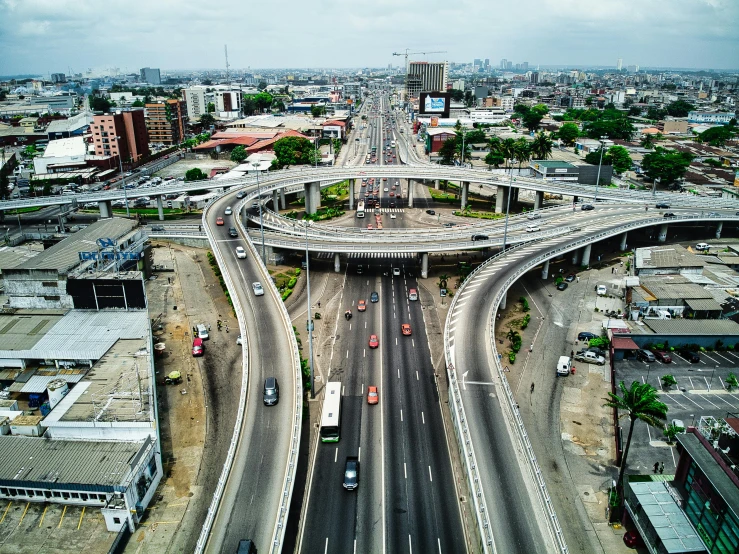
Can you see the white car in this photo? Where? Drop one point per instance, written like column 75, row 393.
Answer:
column 228, row 211
column 532, row 228
column 534, row 215
column 702, row 246
column 602, row 290
column 386, row 189
column 257, row 288
column 392, row 216
column 240, row 252
column 238, row 339
column 396, row 271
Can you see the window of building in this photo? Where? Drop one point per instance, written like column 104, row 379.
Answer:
column 116, row 520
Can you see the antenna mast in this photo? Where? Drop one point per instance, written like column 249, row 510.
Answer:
column 225, row 49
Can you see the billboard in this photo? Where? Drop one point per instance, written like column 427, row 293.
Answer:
column 435, row 103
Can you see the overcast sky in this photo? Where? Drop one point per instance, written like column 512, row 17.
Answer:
column 42, row 36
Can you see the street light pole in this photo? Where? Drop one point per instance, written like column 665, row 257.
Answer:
column 120, row 164
column 597, row 179
column 508, row 207
column 654, row 186
column 711, row 381
column 310, row 319
column 255, row 165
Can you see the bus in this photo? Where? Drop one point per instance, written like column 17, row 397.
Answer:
column 360, row 208
column 331, row 413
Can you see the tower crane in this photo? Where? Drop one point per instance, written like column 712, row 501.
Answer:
column 407, row 53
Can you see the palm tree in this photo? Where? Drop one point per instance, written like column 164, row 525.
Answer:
column 508, row 149
column 641, row 401
column 541, row 147
column 522, row 151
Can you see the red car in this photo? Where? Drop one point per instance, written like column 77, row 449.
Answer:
column 662, row 356
column 219, row 221
column 198, row 349
column 374, row 342
column 406, row 329
column 372, row 396
column 361, row 306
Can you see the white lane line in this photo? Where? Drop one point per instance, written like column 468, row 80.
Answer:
column 413, row 343
column 350, row 326
column 355, row 546
column 364, row 353
column 365, row 324
column 336, row 454
column 405, row 470
column 423, row 419
column 362, row 389
column 410, row 546
column 398, row 373
column 430, row 477
column 417, row 375
column 438, row 541
column 711, row 403
column 347, row 354
column 359, row 454
column 401, row 415
column 396, row 341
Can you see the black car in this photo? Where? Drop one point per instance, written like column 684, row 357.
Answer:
column 480, row 237
column 662, row 206
column 586, row 335
column 587, row 207
column 159, row 228
column 431, row 212
column 570, row 277
column 374, row 297
column 271, row 394
column 689, row 355
column 351, row 473
column 669, row 214
column 562, row 286
column 232, row 232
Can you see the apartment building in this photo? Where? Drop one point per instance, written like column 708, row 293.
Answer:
column 121, row 134
column 165, row 122
column 196, row 102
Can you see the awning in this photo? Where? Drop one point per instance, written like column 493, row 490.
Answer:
column 624, row 343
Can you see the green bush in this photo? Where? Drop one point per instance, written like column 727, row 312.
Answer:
column 668, row 381
column 512, row 357
column 524, row 303
column 296, row 271
column 291, row 282
column 600, row 342
column 286, row 293
column 525, row 322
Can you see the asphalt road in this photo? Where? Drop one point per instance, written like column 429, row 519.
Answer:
column 254, row 491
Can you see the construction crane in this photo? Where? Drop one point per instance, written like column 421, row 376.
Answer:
column 407, row 53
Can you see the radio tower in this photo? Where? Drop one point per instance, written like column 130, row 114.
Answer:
column 228, row 78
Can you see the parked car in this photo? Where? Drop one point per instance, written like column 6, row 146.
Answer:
column 197, row 347
column 586, row 335
column 689, row 355
column 662, row 356
column 570, row 277
column 590, row 357
column 431, row 212
column 562, row 286
column 702, row 246
column 595, row 350
column 645, row 356
column 602, row 290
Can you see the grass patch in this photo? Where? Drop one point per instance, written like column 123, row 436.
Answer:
column 478, row 215
column 27, row 210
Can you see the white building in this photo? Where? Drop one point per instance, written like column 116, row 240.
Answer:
column 489, row 115
column 716, row 118
column 196, row 102
column 61, row 155
column 228, row 104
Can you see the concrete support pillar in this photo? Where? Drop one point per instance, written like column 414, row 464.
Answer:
column 351, row 193
column 545, row 270
column 622, row 246
column 424, row 265
column 662, row 233
column 575, row 256
column 465, row 186
column 337, row 263
column 719, row 229
column 160, row 207
column 503, row 302
column 283, row 203
column 410, row 192
column 574, row 199
column 105, row 209
column 539, row 199
column 586, row 255
column 312, row 197
column 436, row 184
column 514, row 192
column 275, row 200
column 500, row 200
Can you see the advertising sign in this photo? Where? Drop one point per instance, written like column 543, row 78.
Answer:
column 434, row 105
column 434, row 121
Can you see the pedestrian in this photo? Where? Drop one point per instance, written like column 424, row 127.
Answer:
column 612, row 270
column 656, row 466
column 200, row 228
column 661, row 467
column 622, row 263
column 169, row 280
column 572, row 355
column 227, row 327
column 209, row 327
column 578, row 278
column 319, row 303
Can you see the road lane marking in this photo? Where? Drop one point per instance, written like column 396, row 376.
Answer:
column 438, row 541
column 359, row 454
column 347, row 354
column 325, row 550
column 410, row 546
column 413, row 343
column 417, row 379
column 364, row 353
column 405, row 470
column 396, row 341
column 362, row 389
column 430, row 477
column 401, row 415
column 423, row 419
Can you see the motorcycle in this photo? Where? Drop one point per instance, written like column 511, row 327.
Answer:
column 348, row 315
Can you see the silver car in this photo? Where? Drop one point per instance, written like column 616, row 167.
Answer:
column 257, row 288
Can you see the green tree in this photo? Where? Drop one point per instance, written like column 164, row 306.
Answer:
column 263, row 100
column 457, row 95
column 541, row 146
column 679, row 108
column 494, row 159
column 635, row 111
column 616, row 128
column 293, row 151
column 248, row 104
column 448, row 151
column 100, row 104
column 211, row 107
column 195, row 174
column 620, row 159
column 593, row 157
column 568, row 132
column 666, row 165
column 522, row 151
column 647, row 141
column 716, row 136
column 279, row 105
column 476, row 136
column 533, row 116
column 238, row 154
column 671, row 431
column 653, row 112
column 262, row 85
column 639, row 402
column 206, row 120
column 318, row 111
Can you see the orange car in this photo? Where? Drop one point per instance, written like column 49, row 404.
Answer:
column 372, row 396
column 406, row 328
column 373, row 341
column 361, row 306
column 219, row 221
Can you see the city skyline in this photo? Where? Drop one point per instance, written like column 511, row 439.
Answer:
column 44, row 37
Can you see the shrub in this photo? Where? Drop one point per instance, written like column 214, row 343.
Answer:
column 525, row 322
column 600, row 342
column 512, row 357
column 524, row 303
column 296, row 271
column 731, row 382
column 286, row 293
column 719, row 344
column 659, row 346
column 291, row 282
column 317, row 315
column 668, row 381
column 729, row 347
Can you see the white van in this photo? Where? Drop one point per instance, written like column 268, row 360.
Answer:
column 564, row 366
column 202, row 332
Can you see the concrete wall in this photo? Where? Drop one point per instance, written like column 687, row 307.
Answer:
column 39, row 289
column 679, row 340
column 589, row 174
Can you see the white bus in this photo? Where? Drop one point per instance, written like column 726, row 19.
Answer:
column 360, row 208
column 331, row 413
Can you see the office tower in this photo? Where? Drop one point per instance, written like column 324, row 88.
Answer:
column 151, row 76
column 195, row 102
column 620, row 64
column 427, row 77
column 121, row 134
column 504, row 64
column 58, row 78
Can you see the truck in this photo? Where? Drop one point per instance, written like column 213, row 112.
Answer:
column 590, row 357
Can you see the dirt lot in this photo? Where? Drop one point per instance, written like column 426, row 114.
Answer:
column 178, row 169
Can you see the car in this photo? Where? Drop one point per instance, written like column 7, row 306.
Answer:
column 370, row 226
column 396, row 271
column 372, row 396
column 257, row 288
column 351, row 473
column 412, row 295
column 586, row 207
column 360, row 270
column 228, row 211
column 157, row 228
column 271, row 391
column 238, row 340
column 386, row 189
column 571, row 277
column 361, row 306
column 241, row 194
column 595, row 350
column 562, row 286
column 240, row 252
column 585, row 335
column 479, row 237
column 702, row 246
column 662, row 206
column 669, row 214
column 534, row 215
column 601, row 290
column 374, row 297
column 198, row 348
column 405, row 328
column 645, row 356
column 392, row 193
column 392, row 204
column 662, row 356
column 232, row 232
column 255, row 206
column 689, row 355
column 219, row 221
column 713, row 214
column 449, row 224
column 374, row 341
column 392, row 216
column 532, row 228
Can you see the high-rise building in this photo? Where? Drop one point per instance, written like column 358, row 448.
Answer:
column 632, row 68
column 151, row 76
column 620, row 64
column 487, row 64
column 509, row 65
column 195, row 102
column 534, row 79
column 228, row 104
column 525, row 66
column 121, row 134
column 165, row 122
column 58, row 78
column 504, row 64
column 427, row 77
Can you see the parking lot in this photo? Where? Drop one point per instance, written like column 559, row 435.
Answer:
column 700, row 391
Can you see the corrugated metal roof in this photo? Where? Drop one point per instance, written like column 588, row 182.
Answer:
column 703, row 304
column 22, row 332
column 680, row 290
column 59, row 461
column 693, row 326
column 38, row 383
column 666, row 257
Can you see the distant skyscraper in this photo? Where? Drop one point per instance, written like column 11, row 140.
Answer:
column 427, row 77
column 632, row 68
column 58, row 78
column 504, row 64
column 151, row 76
column 620, row 64
column 534, row 79
column 487, row 64
column 525, row 66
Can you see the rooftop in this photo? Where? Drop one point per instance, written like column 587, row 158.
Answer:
column 552, row 163
column 72, row 146
column 697, row 327
column 666, row 257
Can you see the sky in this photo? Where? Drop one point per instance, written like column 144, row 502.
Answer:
column 54, row 36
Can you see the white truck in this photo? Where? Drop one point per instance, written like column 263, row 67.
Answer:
column 590, row 357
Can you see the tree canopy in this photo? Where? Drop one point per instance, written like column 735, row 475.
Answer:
column 620, row 158
column 541, row 146
column 195, row 174
column 568, row 132
column 666, row 165
column 679, row 108
column 238, row 154
column 293, row 151
column 100, row 104
column 318, row 111
column 717, row 136
column 206, row 120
